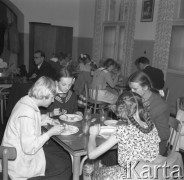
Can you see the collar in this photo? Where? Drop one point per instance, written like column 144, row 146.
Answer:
column 63, row 98
column 146, row 66
column 58, row 91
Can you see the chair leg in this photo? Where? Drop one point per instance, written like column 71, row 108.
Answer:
column 2, row 120
column 95, row 109
column 5, row 101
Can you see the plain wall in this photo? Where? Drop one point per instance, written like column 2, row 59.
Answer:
column 145, row 30
column 78, row 14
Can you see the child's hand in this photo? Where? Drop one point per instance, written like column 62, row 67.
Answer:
column 57, row 112
column 79, row 113
column 45, row 119
column 55, row 122
column 55, row 130
column 112, row 107
column 94, row 130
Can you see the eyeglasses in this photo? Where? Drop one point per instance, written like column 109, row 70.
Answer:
column 36, row 57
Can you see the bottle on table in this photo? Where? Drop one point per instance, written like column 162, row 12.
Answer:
column 86, row 121
column 102, row 117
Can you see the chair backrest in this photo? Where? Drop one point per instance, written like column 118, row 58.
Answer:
column 175, row 129
column 92, row 97
column 166, row 94
column 7, row 153
column 180, row 104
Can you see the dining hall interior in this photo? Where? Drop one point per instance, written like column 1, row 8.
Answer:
column 123, row 30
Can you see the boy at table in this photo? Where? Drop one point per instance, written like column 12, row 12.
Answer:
column 23, row 131
column 65, row 101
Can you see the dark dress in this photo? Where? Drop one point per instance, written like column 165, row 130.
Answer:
column 156, row 75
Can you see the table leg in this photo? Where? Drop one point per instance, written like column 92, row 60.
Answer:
column 76, row 167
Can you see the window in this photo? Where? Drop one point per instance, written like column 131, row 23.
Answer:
column 113, row 38
column 176, row 53
column 114, row 30
column 176, row 56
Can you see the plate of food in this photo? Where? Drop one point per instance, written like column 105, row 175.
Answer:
column 70, row 117
column 111, row 122
column 106, row 131
column 69, row 129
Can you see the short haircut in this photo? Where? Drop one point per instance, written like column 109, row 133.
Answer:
column 42, row 54
column 42, row 88
column 109, row 62
column 141, row 78
column 142, row 60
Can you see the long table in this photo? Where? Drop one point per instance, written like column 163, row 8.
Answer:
column 75, row 144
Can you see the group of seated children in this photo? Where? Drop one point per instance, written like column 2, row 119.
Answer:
column 105, row 78
column 143, row 138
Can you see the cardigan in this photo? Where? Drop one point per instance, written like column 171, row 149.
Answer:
column 23, row 131
column 66, row 102
column 159, row 114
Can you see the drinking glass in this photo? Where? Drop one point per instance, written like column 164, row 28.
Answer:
column 85, row 126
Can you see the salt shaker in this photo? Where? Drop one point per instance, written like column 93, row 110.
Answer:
column 102, row 117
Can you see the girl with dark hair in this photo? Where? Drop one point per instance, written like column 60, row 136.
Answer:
column 65, row 100
column 140, row 83
column 136, row 141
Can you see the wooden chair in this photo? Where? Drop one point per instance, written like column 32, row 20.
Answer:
column 180, row 104
column 166, row 94
column 3, row 99
column 175, row 127
column 91, row 99
column 6, row 154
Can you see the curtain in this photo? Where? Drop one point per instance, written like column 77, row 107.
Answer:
column 163, row 34
column 127, row 15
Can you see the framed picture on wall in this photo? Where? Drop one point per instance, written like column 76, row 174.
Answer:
column 147, row 10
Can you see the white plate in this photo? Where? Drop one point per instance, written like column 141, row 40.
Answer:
column 70, row 117
column 110, row 122
column 106, row 131
column 70, row 130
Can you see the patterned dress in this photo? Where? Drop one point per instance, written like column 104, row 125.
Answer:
column 133, row 146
